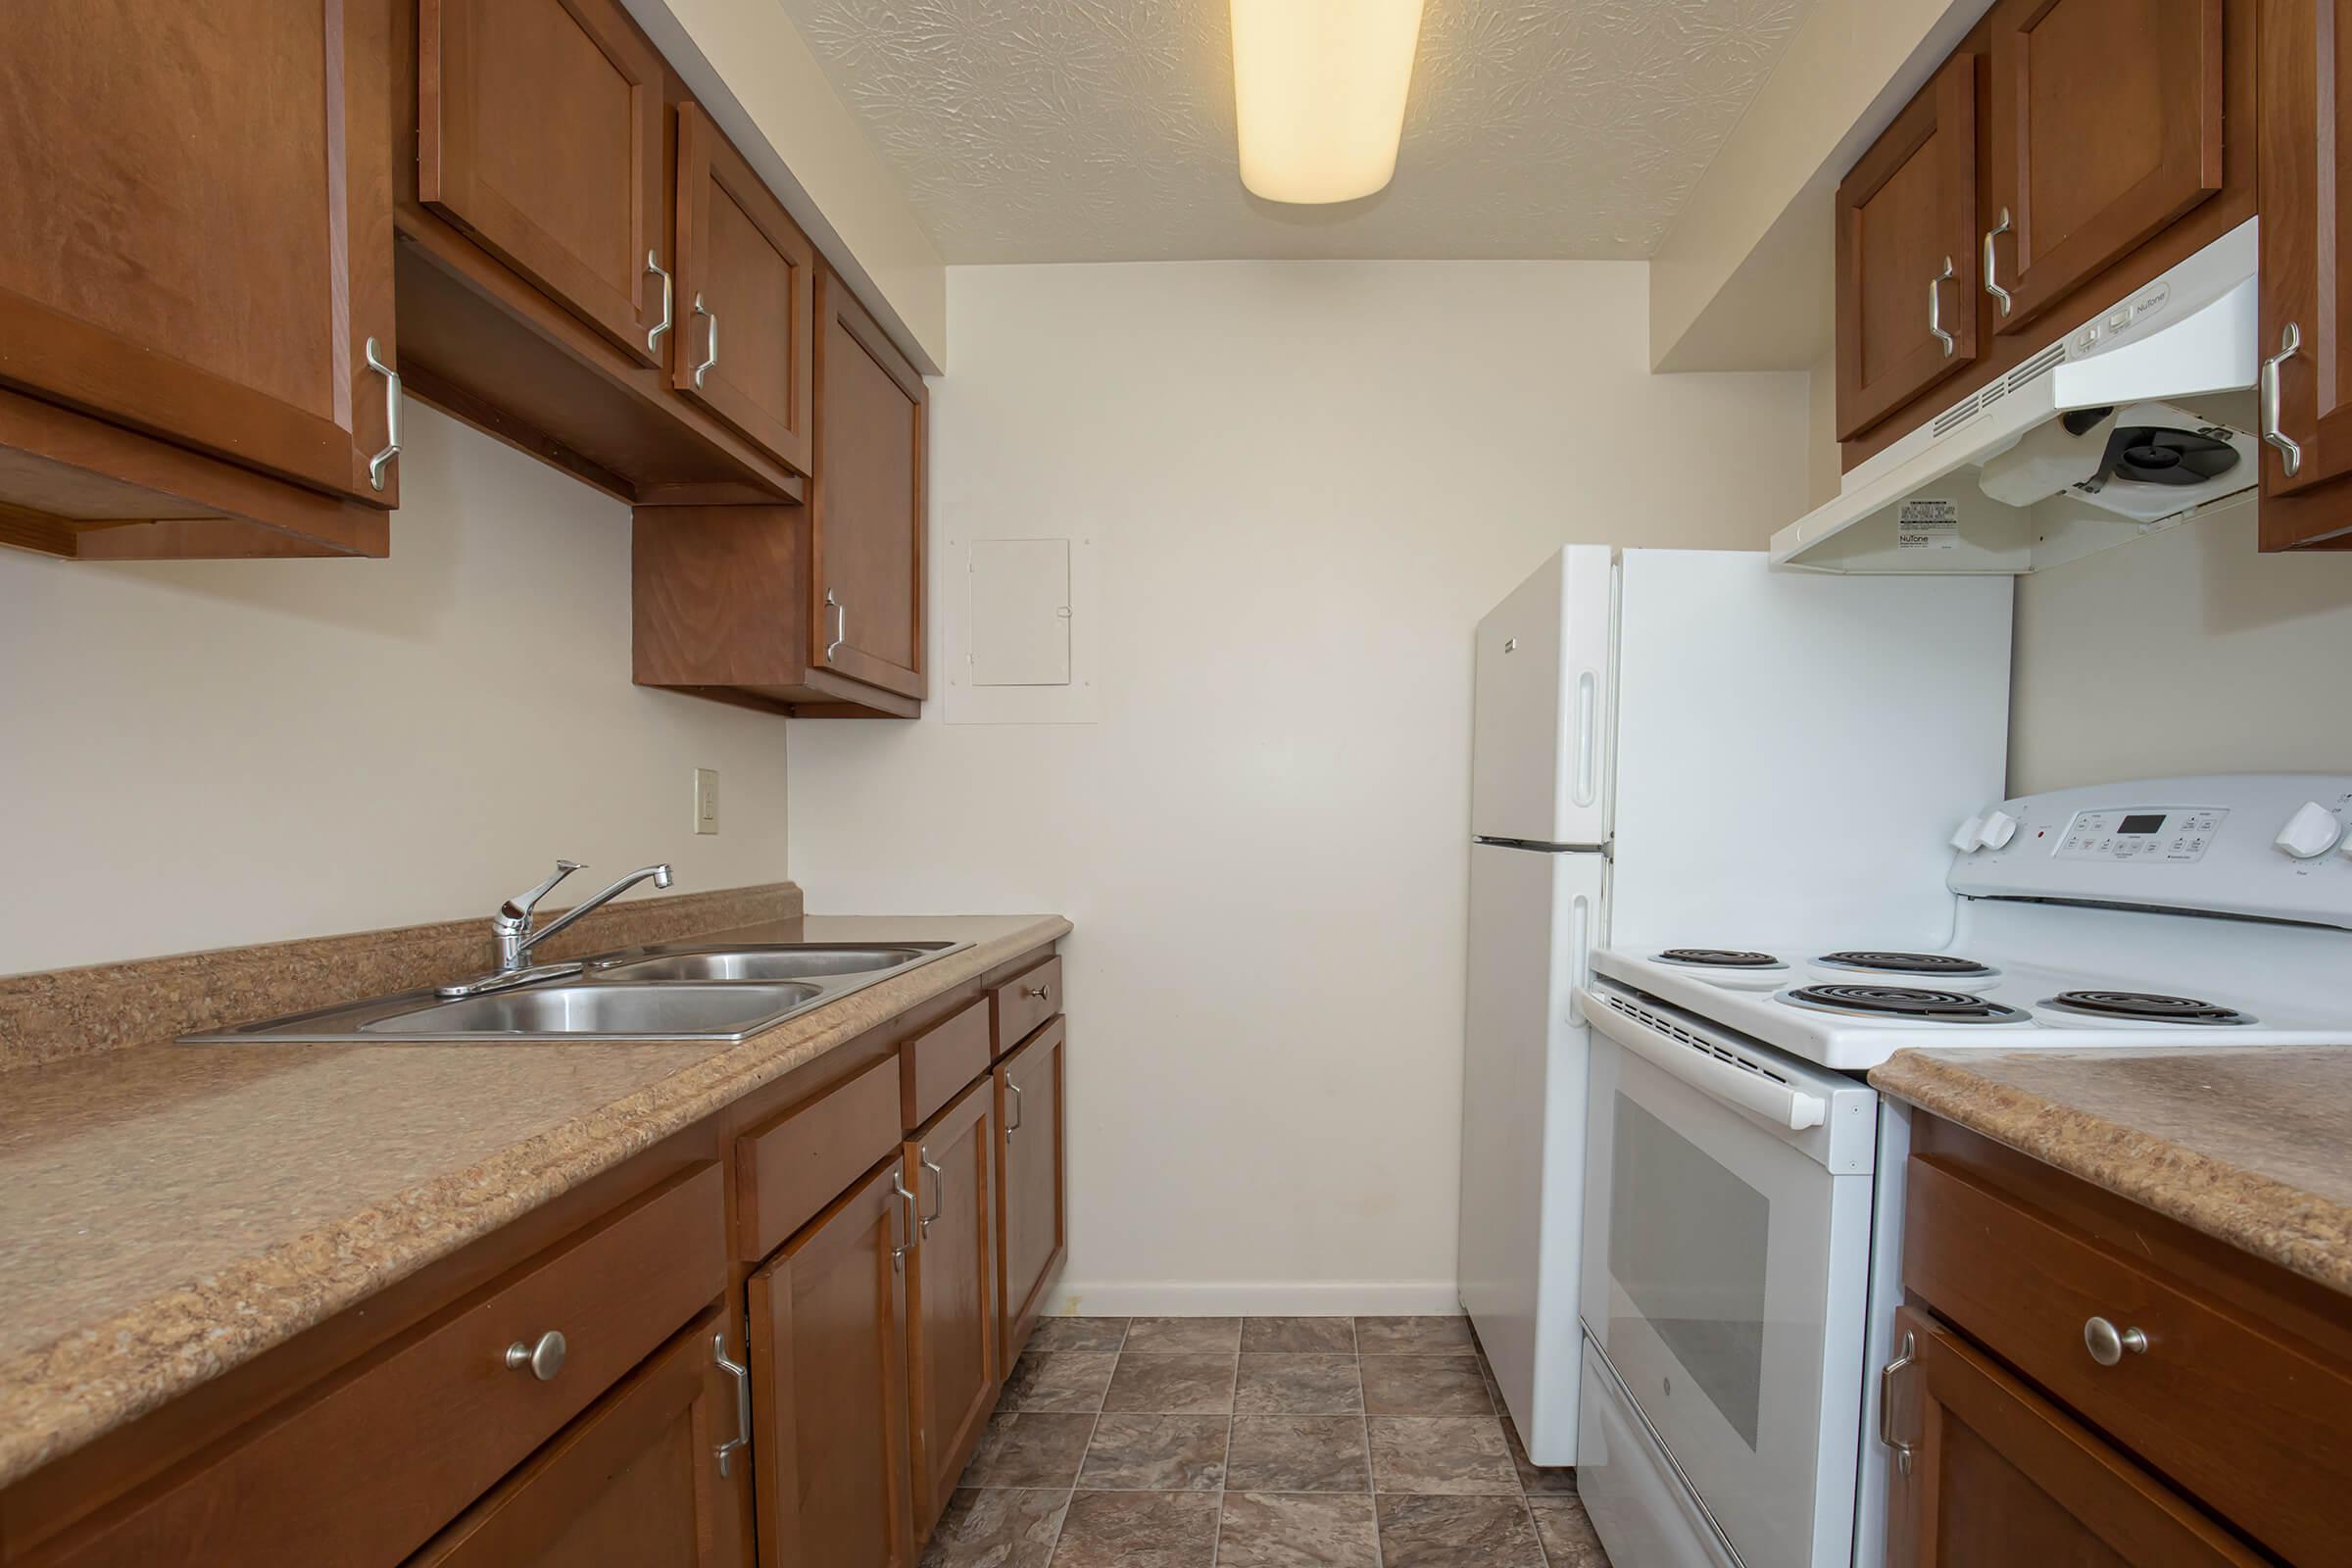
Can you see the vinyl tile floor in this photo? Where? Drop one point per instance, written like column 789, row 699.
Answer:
column 1258, row 1442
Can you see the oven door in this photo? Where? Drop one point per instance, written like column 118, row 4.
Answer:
column 1726, row 1278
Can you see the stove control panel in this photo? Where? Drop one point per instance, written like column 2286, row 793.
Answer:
column 2262, row 844
column 2153, row 833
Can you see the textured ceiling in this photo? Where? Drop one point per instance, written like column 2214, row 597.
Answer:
column 1046, row 130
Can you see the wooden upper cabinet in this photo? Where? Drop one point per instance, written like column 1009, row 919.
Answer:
column 1999, row 1477
column 951, row 1295
column 539, row 134
column 198, row 222
column 634, row 1483
column 867, row 501
column 1907, row 295
column 746, row 282
column 2106, row 129
column 829, row 1345
column 1033, row 1228
column 2306, row 118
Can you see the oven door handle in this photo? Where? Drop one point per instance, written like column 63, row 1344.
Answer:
column 1718, row 1079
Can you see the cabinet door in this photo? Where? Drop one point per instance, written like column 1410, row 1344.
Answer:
column 829, row 1337
column 746, row 296
column 1998, row 1477
column 951, row 1295
column 539, row 133
column 2106, row 128
column 1033, row 1221
column 1907, row 292
column 197, row 214
column 633, row 1482
column 2306, row 118
column 867, row 501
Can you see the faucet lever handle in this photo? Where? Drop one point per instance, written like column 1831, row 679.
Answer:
column 519, row 907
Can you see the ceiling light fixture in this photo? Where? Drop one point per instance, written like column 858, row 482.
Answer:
column 1319, row 89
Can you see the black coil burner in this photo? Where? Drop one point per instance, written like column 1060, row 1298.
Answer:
column 1719, row 959
column 1928, row 963
column 1906, row 1003
column 2146, row 1007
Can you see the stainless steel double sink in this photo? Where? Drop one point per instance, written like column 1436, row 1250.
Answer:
column 676, row 990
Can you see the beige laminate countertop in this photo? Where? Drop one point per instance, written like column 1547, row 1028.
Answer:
column 170, row 1212
column 2250, row 1146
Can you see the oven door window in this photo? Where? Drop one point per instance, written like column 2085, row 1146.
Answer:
column 1699, row 1281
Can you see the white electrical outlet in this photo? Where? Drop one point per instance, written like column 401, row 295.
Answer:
column 706, row 799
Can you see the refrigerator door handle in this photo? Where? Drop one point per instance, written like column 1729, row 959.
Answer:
column 1587, row 738
column 1580, row 954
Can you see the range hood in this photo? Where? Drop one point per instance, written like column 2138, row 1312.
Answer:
column 2135, row 421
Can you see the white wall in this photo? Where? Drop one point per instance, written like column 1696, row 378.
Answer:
column 1305, row 481
column 211, row 753
column 2183, row 651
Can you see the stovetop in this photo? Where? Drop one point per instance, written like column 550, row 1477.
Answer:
column 1851, row 1008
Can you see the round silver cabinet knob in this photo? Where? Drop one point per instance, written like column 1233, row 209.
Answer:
column 544, row 1355
column 2107, row 1343
column 1038, row 992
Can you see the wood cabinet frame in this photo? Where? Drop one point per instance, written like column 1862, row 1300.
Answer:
column 708, row 163
column 450, row 77
column 2041, row 267
column 1944, row 113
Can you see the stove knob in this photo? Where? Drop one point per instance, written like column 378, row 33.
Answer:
column 2310, row 833
column 1999, row 828
column 1970, row 837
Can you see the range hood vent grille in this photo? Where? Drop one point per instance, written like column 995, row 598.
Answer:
column 2039, row 365
column 1956, row 415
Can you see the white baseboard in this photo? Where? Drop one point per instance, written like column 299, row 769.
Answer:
column 1253, row 1298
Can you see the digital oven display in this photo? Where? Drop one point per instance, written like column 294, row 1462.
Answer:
column 2145, row 822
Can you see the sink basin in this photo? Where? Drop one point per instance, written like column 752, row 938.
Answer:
column 779, row 961
column 604, row 1010
column 677, row 991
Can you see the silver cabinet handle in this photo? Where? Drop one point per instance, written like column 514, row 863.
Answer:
column 1991, row 287
column 1019, row 1115
column 1936, row 307
column 2291, row 453
column 2107, row 1344
column 1038, row 991
column 939, row 1187
column 383, row 459
column 742, row 1400
column 543, row 1356
column 841, row 624
column 1903, row 1358
column 898, row 1254
column 709, row 342
column 653, row 337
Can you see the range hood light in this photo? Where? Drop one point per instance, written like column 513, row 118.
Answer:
column 1319, row 88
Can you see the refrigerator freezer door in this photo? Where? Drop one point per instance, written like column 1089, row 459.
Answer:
column 1540, row 765
column 1534, row 917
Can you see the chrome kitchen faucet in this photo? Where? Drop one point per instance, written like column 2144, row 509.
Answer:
column 511, row 925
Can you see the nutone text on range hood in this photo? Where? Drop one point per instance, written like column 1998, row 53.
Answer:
column 2132, row 421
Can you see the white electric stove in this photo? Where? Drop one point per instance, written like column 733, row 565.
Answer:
column 1744, row 1182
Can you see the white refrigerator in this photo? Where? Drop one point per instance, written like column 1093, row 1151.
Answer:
column 1686, row 749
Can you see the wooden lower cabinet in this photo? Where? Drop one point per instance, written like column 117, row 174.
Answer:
column 1033, row 1214
column 634, row 1483
column 1998, row 1477
column 951, row 1295
column 829, row 1343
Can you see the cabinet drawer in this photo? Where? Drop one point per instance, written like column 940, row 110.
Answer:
column 365, row 1470
column 796, row 1164
column 1026, row 1001
column 943, row 1059
column 2247, row 1418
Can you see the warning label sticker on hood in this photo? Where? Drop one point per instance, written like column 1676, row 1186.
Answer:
column 1924, row 524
